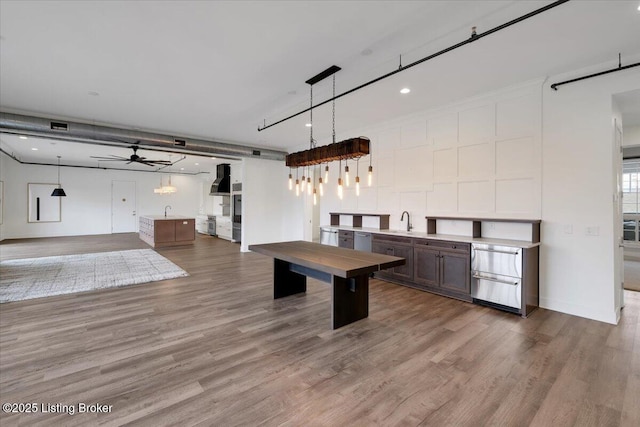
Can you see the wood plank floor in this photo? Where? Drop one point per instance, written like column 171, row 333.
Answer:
column 214, row 349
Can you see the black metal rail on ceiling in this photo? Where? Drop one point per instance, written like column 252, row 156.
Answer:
column 474, row 37
column 601, row 73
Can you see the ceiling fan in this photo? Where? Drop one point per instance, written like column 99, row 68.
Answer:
column 134, row 158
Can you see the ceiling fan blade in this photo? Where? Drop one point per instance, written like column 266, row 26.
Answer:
column 146, row 163
column 110, row 157
column 112, row 160
column 160, row 162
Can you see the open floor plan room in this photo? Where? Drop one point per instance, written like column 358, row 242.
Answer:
column 215, row 348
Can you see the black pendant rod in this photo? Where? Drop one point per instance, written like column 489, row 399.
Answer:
column 613, row 70
column 474, row 37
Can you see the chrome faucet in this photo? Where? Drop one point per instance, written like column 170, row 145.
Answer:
column 165, row 210
column 409, row 227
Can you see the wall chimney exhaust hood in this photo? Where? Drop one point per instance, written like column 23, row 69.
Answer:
column 222, row 185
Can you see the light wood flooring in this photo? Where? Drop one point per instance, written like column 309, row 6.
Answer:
column 214, row 349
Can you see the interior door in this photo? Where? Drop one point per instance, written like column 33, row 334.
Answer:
column 123, row 207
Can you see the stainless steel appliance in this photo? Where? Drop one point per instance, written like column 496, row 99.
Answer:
column 496, row 275
column 211, row 225
column 237, row 217
column 362, row 241
column 329, row 236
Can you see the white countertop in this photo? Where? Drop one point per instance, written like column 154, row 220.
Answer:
column 168, row 217
column 449, row 237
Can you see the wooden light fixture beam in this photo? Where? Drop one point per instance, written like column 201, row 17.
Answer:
column 347, row 149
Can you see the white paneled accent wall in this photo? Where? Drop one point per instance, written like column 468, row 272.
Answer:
column 480, row 157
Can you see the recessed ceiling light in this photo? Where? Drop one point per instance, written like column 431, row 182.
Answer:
column 181, row 169
column 213, row 158
column 23, row 137
column 405, row 90
column 308, row 125
column 34, row 149
column 197, row 164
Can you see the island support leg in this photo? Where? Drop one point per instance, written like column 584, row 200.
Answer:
column 350, row 300
column 285, row 281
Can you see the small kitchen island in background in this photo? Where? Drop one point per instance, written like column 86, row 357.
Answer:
column 172, row 230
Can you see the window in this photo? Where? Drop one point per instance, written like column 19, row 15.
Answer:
column 631, row 199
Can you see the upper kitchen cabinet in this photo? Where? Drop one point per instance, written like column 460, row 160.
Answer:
column 236, row 172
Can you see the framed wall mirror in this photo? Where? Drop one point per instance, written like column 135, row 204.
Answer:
column 42, row 207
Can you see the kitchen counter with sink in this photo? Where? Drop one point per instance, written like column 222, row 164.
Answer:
column 448, row 237
column 497, row 272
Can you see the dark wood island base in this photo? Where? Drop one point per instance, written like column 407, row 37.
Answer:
column 345, row 269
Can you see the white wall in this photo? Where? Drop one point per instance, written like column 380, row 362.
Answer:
column 268, row 212
column 480, row 157
column 631, row 135
column 578, row 271
column 87, row 207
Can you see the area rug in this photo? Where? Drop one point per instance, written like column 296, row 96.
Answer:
column 632, row 275
column 22, row 279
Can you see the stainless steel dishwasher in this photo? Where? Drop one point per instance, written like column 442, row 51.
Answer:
column 496, row 275
column 362, row 241
column 329, row 236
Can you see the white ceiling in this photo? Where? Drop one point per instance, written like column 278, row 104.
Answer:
column 217, row 69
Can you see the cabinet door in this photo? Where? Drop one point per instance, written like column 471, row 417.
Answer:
column 404, row 271
column 426, row 266
column 185, row 230
column 382, row 248
column 456, row 271
column 345, row 242
column 164, row 231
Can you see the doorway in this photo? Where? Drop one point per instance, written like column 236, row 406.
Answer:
column 627, row 134
column 123, row 207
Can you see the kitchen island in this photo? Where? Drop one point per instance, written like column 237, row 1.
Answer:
column 171, row 230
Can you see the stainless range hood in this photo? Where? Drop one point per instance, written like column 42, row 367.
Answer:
column 222, row 185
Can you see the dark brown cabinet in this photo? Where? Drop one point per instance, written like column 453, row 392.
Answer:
column 395, row 246
column 159, row 231
column 345, row 239
column 442, row 264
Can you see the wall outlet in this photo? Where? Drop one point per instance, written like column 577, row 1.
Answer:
column 492, row 226
column 568, row 229
column 592, row 231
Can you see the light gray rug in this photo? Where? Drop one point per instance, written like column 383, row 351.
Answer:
column 22, row 279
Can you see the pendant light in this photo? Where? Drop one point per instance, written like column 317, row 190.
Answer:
column 326, row 173
column 169, row 189
column 340, row 180
column 159, row 189
column 370, row 174
column 297, row 184
column 346, row 172
column 59, row 192
column 358, row 177
column 290, row 180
